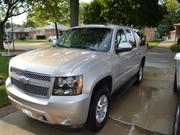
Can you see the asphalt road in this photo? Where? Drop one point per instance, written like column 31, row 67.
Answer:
column 147, row 109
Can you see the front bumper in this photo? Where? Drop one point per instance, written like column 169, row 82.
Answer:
column 62, row 110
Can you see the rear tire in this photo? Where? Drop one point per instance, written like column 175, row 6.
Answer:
column 175, row 84
column 140, row 75
column 176, row 129
column 99, row 109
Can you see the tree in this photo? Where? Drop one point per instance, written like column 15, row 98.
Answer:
column 93, row 13
column 74, row 13
column 29, row 22
column 129, row 12
column 81, row 11
column 170, row 18
column 8, row 9
column 50, row 11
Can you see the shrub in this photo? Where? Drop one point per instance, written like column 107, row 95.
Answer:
column 178, row 41
column 175, row 48
column 3, row 97
column 40, row 37
column 22, row 38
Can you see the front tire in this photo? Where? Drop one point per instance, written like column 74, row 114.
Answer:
column 99, row 110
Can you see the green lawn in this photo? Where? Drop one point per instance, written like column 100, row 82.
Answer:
column 28, row 41
column 3, row 97
column 154, row 43
column 175, row 48
column 4, row 63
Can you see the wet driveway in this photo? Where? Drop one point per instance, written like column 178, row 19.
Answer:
column 147, row 109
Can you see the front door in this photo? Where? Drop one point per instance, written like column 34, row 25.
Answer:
column 121, row 61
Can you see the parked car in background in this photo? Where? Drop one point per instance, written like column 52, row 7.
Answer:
column 176, row 130
column 71, row 82
column 50, row 38
column 53, row 39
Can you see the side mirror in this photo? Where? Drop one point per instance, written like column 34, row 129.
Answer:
column 124, row 47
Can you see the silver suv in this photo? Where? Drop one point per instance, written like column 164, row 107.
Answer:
column 71, row 82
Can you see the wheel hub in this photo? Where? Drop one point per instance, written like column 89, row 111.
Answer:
column 101, row 109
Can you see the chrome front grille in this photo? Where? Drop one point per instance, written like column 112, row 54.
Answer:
column 30, row 89
column 29, row 74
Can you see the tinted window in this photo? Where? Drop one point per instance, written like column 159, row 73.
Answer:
column 120, row 37
column 130, row 37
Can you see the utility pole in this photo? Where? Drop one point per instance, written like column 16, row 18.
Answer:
column 12, row 33
column 74, row 12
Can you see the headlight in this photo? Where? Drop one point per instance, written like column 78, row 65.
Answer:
column 68, row 85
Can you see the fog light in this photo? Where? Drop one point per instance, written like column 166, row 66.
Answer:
column 42, row 118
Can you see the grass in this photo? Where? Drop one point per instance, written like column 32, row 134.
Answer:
column 153, row 43
column 175, row 48
column 4, row 63
column 32, row 41
column 3, row 97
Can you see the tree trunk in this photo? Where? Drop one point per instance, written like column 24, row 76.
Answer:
column 74, row 13
column 1, row 36
column 56, row 29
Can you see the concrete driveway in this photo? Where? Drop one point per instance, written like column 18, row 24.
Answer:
column 147, row 109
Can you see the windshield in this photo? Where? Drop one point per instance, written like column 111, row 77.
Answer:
column 96, row 39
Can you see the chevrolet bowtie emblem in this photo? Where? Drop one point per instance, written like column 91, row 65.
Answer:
column 24, row 80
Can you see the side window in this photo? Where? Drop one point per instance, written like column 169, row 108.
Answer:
column 120, row 37
column 138, row 39
column 131, row 37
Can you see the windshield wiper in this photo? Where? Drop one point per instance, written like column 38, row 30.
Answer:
column 58, row 45
column 81, row 47
column 78, row 46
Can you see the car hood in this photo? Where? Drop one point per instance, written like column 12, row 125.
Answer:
column 53, row 61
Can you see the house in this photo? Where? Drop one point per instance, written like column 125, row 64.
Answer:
column 174, row 34
column 32, row 33
column 177, row 28
column 21, row 33
column 149, row 32
column 50, row 29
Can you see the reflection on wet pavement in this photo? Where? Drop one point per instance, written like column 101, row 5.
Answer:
column 18, row 123
column 151, row 105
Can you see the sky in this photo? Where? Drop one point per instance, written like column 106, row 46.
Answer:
column 21, row 18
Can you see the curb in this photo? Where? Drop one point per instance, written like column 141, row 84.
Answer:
column 7, row 110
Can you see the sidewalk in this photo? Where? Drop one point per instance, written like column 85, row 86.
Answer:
column 163, row 47
column 161, row 56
